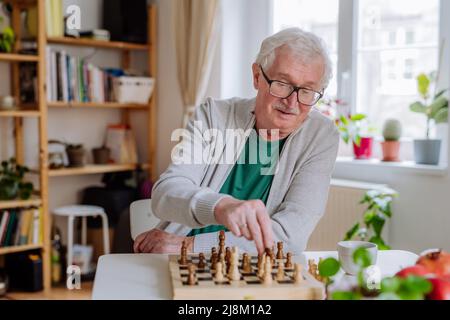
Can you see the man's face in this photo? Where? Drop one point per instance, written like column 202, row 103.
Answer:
column 285, row 114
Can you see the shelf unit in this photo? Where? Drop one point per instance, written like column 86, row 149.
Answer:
column 18, row 114
column 43, row 106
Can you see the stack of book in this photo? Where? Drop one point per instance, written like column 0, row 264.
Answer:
column 21, row 227
column 71, row 78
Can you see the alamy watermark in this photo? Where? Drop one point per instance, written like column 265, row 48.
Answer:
column 214, row 146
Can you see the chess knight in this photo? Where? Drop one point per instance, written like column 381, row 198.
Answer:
column 257, row 168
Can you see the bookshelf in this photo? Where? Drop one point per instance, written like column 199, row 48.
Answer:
column 39, row 111
column 43, row 107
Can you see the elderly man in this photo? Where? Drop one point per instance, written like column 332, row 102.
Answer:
column 255, row 201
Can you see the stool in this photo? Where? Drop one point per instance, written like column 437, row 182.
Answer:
column 82, row 211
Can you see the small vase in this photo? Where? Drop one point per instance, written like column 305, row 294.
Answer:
column 101, row 155
column 390, row 151
column 427, row 151
column 76, row 157
column 364, row 150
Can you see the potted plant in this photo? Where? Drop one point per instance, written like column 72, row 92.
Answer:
column 12, row 184
column 6, row 38
column 392, row 131
column 75, row 154
column 352, row 129
column 377, row 212
column 435, row 108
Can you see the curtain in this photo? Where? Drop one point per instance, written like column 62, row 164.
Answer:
column 196, row 35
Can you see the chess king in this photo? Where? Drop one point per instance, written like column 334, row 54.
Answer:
column 257, row 168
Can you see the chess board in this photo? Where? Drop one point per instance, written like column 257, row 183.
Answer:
column 250, row 286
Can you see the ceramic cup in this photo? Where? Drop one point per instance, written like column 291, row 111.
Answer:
column 7, row 102
column 345, row 253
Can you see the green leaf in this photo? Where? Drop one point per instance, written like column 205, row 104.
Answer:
column 441, row 116
column 418, row 107
column 391, row 284
column 352, row 232
column 329, row 267
column 344, row 120
column 378, row 224
column 357, row 140
column 345, row 295
column 380, row 243
column 437, row 105
column 358, row 117
column 440, row 93
column 368, row 217
column 417, row 284
column 362, row 257
column 423, row 85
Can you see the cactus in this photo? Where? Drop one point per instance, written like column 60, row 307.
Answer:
column 392, row 130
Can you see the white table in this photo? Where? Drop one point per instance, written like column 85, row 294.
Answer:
column 146, row 276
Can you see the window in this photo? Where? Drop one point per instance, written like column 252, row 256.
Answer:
column 311, row 16
column 387, row 70
column 392, row 41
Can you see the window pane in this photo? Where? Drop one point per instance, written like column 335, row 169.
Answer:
column 397, row 41
column 311, row 16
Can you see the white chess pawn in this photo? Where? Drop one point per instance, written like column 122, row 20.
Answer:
column 280, row 271
column 233, row 273
column 267, row 279
column 298, row 277
column 219, row 273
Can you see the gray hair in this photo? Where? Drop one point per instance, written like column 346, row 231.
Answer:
column 305, row 45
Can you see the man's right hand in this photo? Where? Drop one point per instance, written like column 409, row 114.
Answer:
column 247, row 219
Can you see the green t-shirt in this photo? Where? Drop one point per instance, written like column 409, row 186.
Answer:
column 252, row 175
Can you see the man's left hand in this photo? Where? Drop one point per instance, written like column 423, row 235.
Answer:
column 157, row 241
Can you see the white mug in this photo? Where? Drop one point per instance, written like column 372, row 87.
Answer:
column 346, row 250
column 7, row 102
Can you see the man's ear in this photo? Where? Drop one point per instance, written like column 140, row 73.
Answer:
column 256, row 75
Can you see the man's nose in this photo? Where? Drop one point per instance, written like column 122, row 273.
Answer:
column 292, row 100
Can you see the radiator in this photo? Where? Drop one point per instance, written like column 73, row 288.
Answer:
column 342, row 212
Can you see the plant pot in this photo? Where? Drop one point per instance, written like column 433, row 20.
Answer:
column 76, row 157
column 9, row 190
column 101, row 155
column 390, row 150
column 427, row 151
column 364, row 151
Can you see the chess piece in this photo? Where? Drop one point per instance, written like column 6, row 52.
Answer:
column 261, row 263
column 214, row 259
column 183, row 257
column 298, row 278
column 192, row 278
column 219, row 274
column 246, row 264
column 271, row 255
column 201, row 262
column 280, row 271
column 267, row 278
column 280, row 254
column 221, row 242
column 227, row 258
column 288, row 264
column 222, row 261
column 233, row 272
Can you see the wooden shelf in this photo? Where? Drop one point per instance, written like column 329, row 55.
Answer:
column 13, row 249
column 10, row 204
column 61, row 104
column 92, row 169
column 19, row 113
column 13, row 57
column 97, row 43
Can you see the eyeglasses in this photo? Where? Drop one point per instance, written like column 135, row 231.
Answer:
column 283, row 90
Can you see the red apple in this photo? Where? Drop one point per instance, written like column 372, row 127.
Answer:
column 441, row 289
column 417, row 270
column 437, row 262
